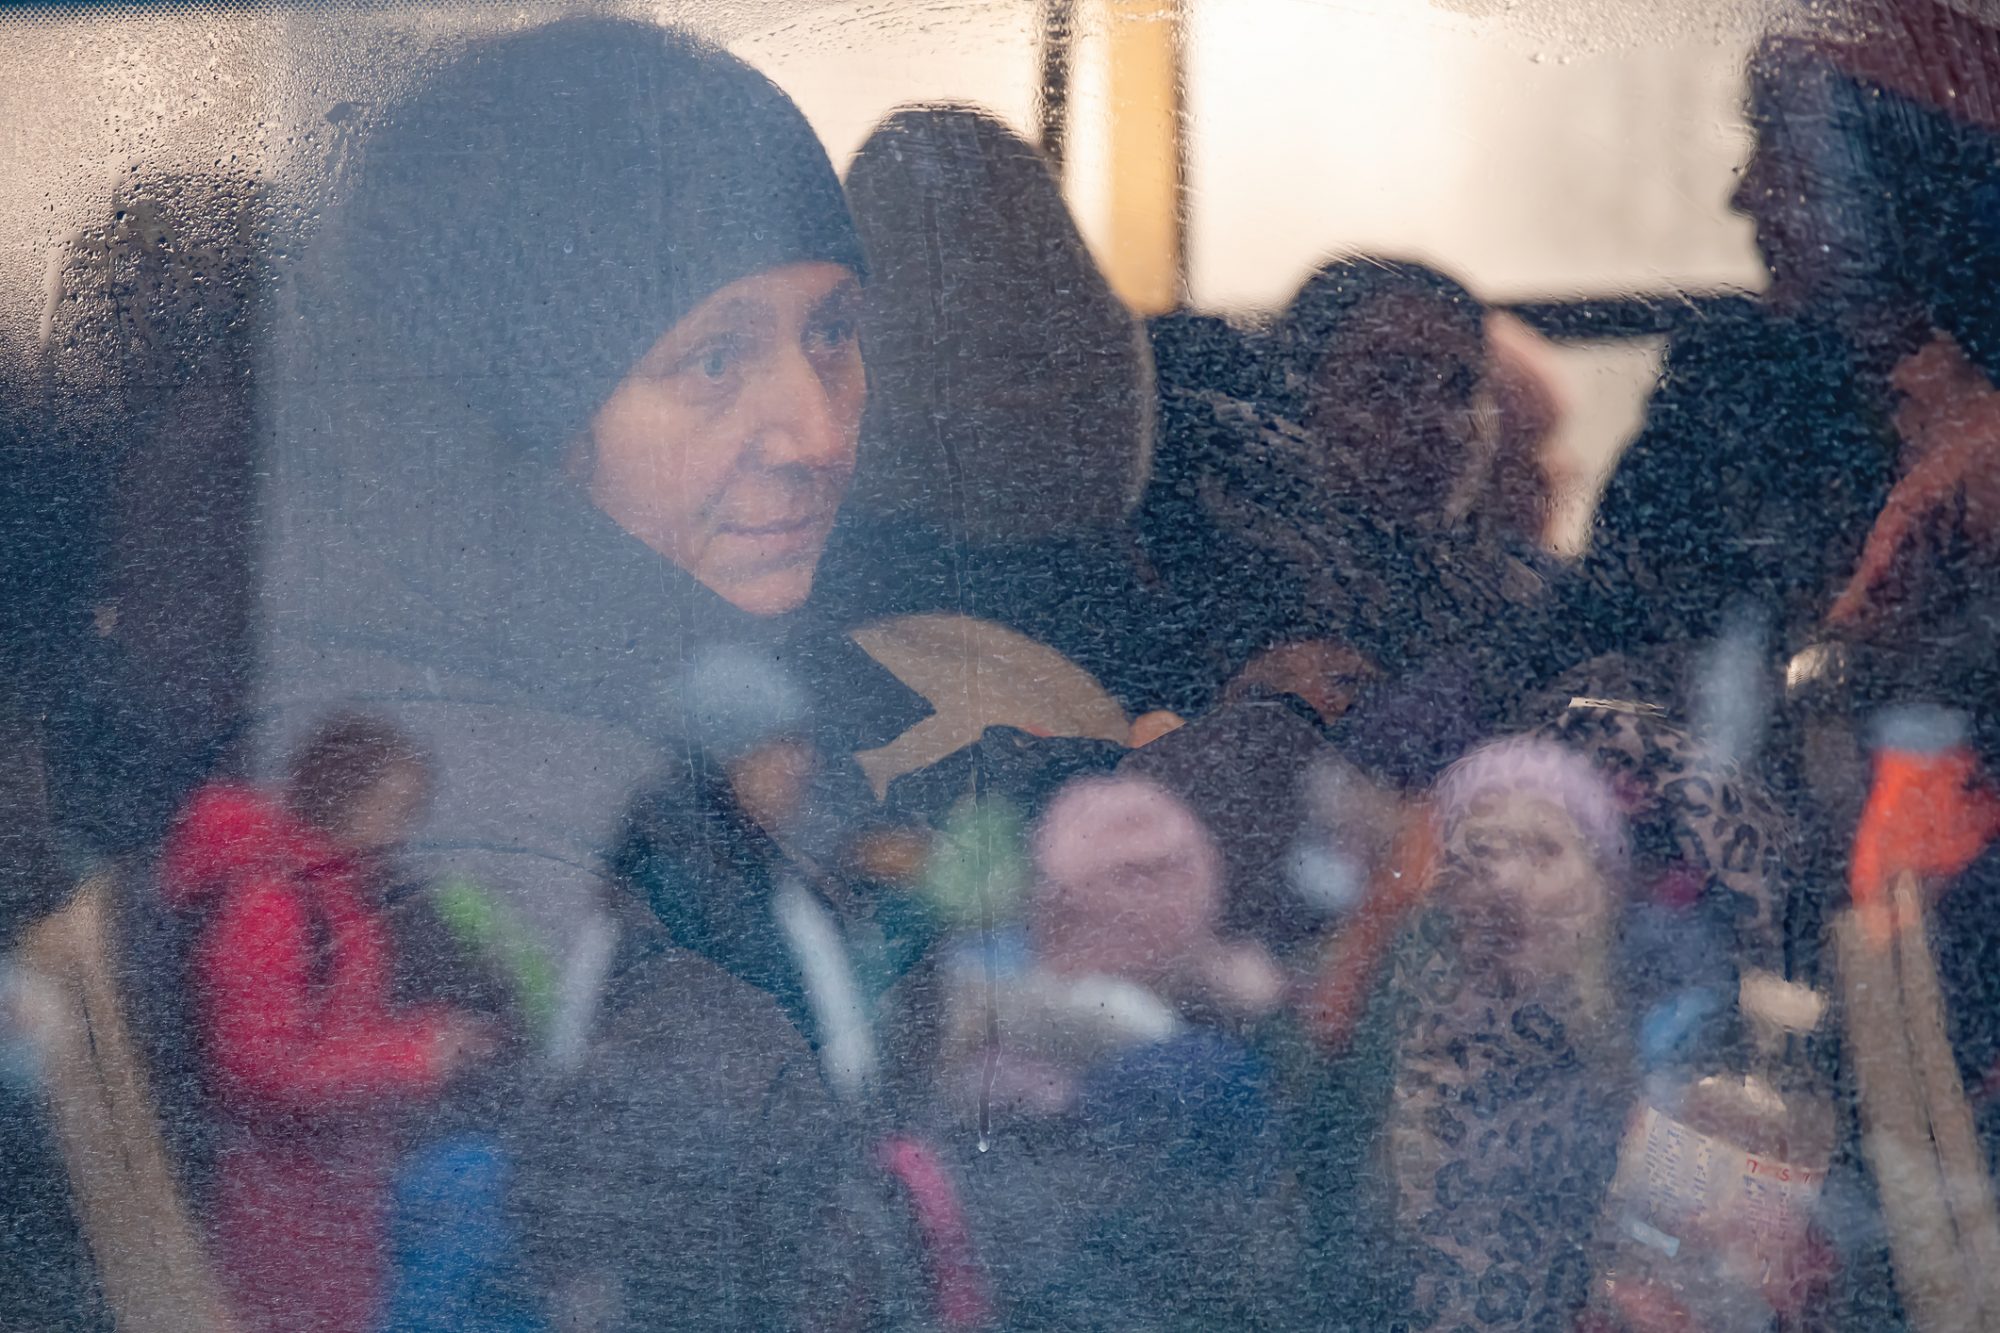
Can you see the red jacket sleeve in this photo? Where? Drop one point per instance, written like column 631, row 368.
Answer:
column 277, row 1042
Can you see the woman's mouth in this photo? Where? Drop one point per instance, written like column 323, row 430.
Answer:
column 776, row 527
column 780, row 538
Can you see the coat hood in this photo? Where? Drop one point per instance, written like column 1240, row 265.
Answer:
column 1010, row 389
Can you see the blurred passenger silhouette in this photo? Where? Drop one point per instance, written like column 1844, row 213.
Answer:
column 1126, row 1172
column 1009, row 430
column 628, row 356
column 305, row 1059
column 1514, row 1067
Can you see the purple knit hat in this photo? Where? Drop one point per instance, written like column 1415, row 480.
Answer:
column 1531, row 765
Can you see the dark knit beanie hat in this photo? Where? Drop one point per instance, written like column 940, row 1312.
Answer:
column 530, row 220
column 1323, row 310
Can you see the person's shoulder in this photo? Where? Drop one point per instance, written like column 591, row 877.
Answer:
column 1742, row 342
column 478, row 727
column 526, row 794
column 306, row 674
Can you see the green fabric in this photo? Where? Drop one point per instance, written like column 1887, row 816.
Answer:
column 977, row 873
column 484, row 928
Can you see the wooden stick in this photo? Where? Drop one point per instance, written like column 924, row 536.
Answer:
column 1968, row 1191
column 1895, row 1136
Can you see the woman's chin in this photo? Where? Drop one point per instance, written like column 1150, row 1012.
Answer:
column 768, row 592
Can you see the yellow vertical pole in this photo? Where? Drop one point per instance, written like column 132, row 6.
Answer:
column 1145, row 255
column 1052, row 93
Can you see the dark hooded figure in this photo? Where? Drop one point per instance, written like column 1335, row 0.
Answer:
column 1316, row 519
column 1384, row 361
column 1771, row 443
column 1435, row 401
column 1406, row 639
column 574, row 405
column 1783, row 427
column 1010, row 409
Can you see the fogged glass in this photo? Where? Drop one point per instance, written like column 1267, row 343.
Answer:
column 1043, row 665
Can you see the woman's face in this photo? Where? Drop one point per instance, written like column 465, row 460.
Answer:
column 1775, row 191
column 1815, row 195
column 1398, row 397
column 384, row 816
column 729, row 446
column 1529, row 885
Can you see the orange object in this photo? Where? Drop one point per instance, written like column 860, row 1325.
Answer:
column 1149, row 727
column 1927, row 814
column 1338, row 994
column 1956, row 482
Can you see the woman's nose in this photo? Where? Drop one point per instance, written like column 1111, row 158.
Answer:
column 799, row 422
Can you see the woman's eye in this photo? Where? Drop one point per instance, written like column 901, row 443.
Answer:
column 712, row 361
column 833, row 334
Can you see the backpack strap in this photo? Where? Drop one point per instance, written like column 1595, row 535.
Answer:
column 319, row 941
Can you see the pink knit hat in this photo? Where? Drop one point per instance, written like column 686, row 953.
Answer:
column 1125, row 876
column 1529, row 764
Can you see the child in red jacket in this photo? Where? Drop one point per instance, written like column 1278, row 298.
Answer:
column 304, row 1059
